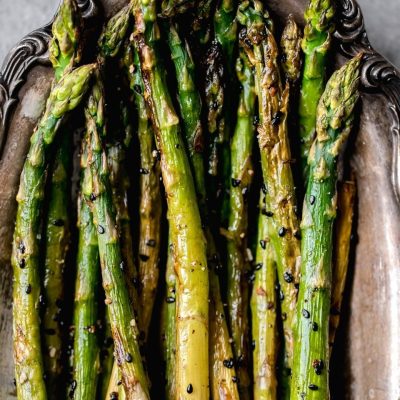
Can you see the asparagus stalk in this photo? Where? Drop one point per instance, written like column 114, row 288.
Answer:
column 106, row 358
column 171, row 8
column 186, row 235
column 223, row 379
column 65, row 96
column 275, row 162
column 99, row 195
column 334, row 122
column 341, row 249
column 201, row 24
column 264, row 308
column 150, row 206
column 316, row 44
column 237, row 263
column 64, row 54
column 86, row 366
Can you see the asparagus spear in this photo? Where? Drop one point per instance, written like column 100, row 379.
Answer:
column 238, row 266
column 316, row 44
column 86, row 366
column 275, row 162
column 223, row 379
column 65, row 96
column 334, row 122
column 99, row 195
column 264, row 308
column 64, row 55
column 186, row 235
column 341, row 249
column 171, row 8
column 150, row 197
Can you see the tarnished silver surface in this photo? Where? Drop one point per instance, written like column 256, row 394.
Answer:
column 366, row 360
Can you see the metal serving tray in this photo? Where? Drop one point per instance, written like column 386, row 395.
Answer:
column 366, row 361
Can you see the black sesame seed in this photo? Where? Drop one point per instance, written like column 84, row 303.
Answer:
column 41, row 300
column 151, row 243
column 253, row 345
column 189, row 388
column 92, row 197
column 245, row 191
column 263, row 244
column 170, row 299
column 177, row 146
column 276, row 119
column 128, row 357
column 251, row 277
column 314, row 326
column 113, row 396
column 229, row 363
column 258, row 266
column 305, row 313
column 21, row 248
column 101, row 229
column 119, row 383
column 144, row 171
column 22, row 263
column 137, row 89
column 236, row 182
column 143, row 257
column 28, row 289
column 234, row 379
column 281, row 295
column 282, row 232
column 288, row 277
column 312, row 200
column 58, row 222
column 318, row 366
column 297, row 234
column 268, row 213
column 311, row 386
column 264, row 188
column 73, row 385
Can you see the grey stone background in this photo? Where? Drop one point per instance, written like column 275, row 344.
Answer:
column 19, row 17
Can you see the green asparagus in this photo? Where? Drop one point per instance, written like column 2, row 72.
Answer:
column 65, row 96
column 334, row 123
column 278, row 186
column 171, row 8
column 150, row 206
column 264, row 309
column 65, row 54
column 98, row 194
column 238, row 267
column 316, row 44
column 341, row 249
column 186, row 235
column 223, row 377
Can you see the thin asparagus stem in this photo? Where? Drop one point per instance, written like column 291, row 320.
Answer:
column 99, row 195
column 172, row 8
column 341, row 251
column 335, row 119
column 65, row 54
column 223, row 379
column 150, row 206
column 316, row 44
column 64, row 97
column 275, row 162
column 238, row 267
column 264, row 309
column 186, row 235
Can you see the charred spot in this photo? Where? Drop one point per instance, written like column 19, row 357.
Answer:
column 151, row 243
column 144, row 257
column 58, row 222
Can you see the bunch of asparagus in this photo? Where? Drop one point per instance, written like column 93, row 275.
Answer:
column 187, row 250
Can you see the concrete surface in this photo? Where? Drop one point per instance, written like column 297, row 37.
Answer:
column 19, row 17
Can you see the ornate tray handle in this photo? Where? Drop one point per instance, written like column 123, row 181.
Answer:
column 30, row 51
